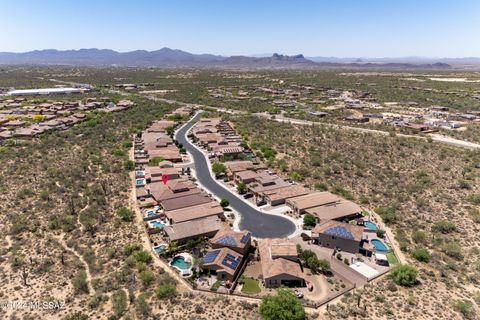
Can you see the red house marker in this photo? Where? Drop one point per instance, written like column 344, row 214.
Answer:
column 164, row 178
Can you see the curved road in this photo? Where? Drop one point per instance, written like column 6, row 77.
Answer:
column 260, row 224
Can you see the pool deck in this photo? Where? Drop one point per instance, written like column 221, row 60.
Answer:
column 189, row 259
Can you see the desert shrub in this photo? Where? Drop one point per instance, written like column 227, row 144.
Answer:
column 129, row 165
column 80, row 283
column 474, row 199
column 143, row 256
column 125, row 214
column 142, row 305
column 465, row 308
column 419, row 236
column 147, row 277
column 421, row 254
column 130, row 248
column 166, row 291
column 388, row 214
column 444, row 226
column 453, row 249
column 475, row 214
column 404, row 275
column 119, row 302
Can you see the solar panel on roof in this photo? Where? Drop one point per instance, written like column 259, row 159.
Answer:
column 339, row 232
column 231, row 262
column 245, row 237
column 227, row 241
column 210, row 256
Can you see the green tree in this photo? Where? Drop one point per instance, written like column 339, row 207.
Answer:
column 241, row 188
column 224, row 202
column 324, row 266
column 404, row 275
column 313, row 263
column 309, row 221
column 282, row 306
column 153, row 162
column 218, row 168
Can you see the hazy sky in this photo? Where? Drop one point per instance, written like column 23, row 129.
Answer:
column 342, row 28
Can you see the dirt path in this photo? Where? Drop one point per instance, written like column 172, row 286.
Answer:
column 79, row 256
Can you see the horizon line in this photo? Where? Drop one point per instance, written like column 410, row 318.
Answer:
column 253, row 55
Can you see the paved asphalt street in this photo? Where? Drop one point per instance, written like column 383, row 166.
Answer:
column 260, row 224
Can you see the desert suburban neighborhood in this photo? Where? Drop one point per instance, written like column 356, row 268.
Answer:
column 198, row 233
column 232, row 160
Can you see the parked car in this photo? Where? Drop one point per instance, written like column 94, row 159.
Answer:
column 261, row 202
column 247, row 195
column 299, row 294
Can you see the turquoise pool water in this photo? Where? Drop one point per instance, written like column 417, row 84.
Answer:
column 180, row 263
column 156, row 224
column 379, row 245
column 159, row 249
column 151, row 213
column 370, row 225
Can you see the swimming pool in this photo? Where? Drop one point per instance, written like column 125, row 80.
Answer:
column 379, row 245
column 156, row 224
column 140, row 182
column 160, row 248
column 180, row 263
column 151, row 213
column 370, row 225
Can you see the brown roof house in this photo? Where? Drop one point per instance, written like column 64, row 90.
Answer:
column 184, row 231
column 186, row 201
column 338, row 235
column 311, row 200
column 279, row 195
column 195, row 212
column 340, row 210
column 237, row 241
column 280, row 264
column 224, row 262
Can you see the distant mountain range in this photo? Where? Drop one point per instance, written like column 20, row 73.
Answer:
column 171, row 58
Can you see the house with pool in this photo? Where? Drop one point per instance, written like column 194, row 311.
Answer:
column 338, row 235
